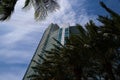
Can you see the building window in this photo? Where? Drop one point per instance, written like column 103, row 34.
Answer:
column 66, row 32
column 60, row 35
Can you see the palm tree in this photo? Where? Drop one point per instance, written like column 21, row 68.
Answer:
column 83, row 50
column 52, row 66
column 92, row 53
column 70, row 61
column 109, row 42
column 6, row 8
column 41, row 7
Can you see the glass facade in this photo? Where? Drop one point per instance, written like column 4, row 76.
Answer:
column 60, row 34
column 66, row 32
column 45, row 44
column 47, row 41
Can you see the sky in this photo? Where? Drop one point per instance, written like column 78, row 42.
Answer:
column 19, row 36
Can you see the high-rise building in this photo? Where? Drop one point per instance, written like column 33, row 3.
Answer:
column 47, row 41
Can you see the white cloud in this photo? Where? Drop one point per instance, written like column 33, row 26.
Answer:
column 23, row 26
column 9, row 77
column 12, row 75
column 15, row 56
column 23, row 23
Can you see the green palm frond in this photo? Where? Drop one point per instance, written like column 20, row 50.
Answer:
column 58, row 43
column 27, row 3
column 113, row 21
column 92, row 29
column 41, row 57
column 33, row 76
column 38, row 63
column 42, row 7
column 112, row 13
column 6, row 8
column 82, row 30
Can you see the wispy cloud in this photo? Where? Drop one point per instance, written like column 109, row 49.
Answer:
column 20, row 35
column 9, row 76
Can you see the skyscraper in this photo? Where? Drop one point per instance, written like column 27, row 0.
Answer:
column 47, row 41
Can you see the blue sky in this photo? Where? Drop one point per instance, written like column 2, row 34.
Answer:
column 20, row 35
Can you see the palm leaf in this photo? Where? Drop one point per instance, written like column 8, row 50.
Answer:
column 108, row 9
column 42, row 7
column 6, row 9
column 41, row 57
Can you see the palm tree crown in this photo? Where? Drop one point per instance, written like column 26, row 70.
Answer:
column 41, row 8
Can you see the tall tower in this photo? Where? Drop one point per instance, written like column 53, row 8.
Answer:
column 47, row 41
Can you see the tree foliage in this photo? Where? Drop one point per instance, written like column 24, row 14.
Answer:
column 41, row 8
column 93, row 53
